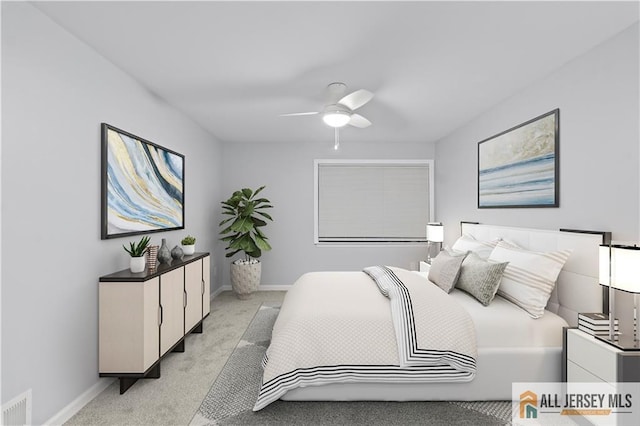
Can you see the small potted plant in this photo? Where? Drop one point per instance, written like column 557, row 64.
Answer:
column 137, row 251
column 244, row 235
column 188, row 245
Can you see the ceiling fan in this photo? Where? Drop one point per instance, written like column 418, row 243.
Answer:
column 338, row 110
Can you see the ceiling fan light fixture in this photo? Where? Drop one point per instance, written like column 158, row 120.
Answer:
column 336, row 118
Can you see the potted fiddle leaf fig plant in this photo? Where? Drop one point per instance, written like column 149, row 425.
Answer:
column 243, row 234
column 137, row 251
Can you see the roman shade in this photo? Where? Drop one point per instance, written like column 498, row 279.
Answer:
column 381, row 201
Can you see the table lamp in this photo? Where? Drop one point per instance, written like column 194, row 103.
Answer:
column 620, row 270
column 435, row 234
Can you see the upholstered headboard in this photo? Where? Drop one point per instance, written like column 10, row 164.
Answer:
column 577, row 288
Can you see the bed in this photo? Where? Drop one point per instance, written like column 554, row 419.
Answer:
column 505, row 345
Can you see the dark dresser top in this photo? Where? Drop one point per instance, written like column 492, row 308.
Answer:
column 127, row 276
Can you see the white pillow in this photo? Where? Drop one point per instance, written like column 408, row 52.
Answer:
column 530, row 276
column 468, row 243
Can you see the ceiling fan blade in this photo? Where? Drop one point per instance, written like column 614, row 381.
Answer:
column 356, row 99
column 359, row 121
column 299, row 113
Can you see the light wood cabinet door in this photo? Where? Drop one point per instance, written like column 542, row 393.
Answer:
column 193, row 290
column 128, row 326
column 206, row 286
column 171, row 308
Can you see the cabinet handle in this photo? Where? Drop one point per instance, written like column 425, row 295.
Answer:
column 160, row 310
column 202, row 286
column 184, row 299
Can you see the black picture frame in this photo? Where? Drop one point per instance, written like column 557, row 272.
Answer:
column 520, row 166
column 142, row 185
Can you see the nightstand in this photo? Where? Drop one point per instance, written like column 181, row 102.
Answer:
column 587, row 359
column 424, row 266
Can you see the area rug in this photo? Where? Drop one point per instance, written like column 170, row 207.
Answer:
column 233, row 394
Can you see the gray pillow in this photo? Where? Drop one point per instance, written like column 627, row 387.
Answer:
column 480, row 278
column 445, row 269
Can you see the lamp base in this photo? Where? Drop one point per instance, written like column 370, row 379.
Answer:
column 622, row 342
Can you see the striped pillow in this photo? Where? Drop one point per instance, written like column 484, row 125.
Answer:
column 529, row 277
column 468, row 243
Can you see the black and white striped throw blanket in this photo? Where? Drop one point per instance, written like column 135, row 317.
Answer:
column 410, row 351
column 337, row 327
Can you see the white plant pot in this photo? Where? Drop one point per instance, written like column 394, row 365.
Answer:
column 245, row 279
column 137, row 264
column 188, row 250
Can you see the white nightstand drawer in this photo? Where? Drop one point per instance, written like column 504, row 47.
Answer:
column 575, row 373
column 592, row 355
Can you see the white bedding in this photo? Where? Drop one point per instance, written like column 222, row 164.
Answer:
column 339, row 327
column 504, row 325
column 512, row 346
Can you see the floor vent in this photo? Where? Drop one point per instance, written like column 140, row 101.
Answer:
column 17, row 412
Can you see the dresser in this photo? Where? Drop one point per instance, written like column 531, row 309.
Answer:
column 143, row 316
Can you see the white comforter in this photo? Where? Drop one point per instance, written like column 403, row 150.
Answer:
column 339, row 327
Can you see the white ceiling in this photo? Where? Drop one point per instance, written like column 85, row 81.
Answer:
column 433, row 66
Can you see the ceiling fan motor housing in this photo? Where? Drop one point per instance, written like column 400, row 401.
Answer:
column 337, row 109
column 336, row 115
column 335, row 91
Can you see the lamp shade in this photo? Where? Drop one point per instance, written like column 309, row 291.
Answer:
column 435, row 232
column 336, row 118
column 620, row 267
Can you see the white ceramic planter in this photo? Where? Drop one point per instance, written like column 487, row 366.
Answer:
column 188, row 250
column 245, row 279
column 137, row 264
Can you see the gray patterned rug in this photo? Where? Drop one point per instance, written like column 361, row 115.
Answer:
column 232, row 395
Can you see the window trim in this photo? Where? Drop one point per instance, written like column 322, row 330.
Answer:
column 318, row 162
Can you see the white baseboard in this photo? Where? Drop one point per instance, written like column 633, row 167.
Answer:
column 260, row 288
column 274, row 287
column 77, row 404
column 216, row 292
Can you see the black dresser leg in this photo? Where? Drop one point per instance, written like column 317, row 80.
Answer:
column 154, row 373
column 179, row 347
column 126, row 383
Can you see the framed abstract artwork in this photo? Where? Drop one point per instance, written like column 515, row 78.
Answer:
column 142, row 185
column 520, row 166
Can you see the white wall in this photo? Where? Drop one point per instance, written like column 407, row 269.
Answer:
column 287, row 171
column 55, row 93
column 597, row 94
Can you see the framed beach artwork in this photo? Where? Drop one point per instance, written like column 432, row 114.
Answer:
column 142, row 185
column 519, row 167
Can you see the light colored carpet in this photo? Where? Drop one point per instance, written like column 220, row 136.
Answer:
column 232, row 396
column 185, row 377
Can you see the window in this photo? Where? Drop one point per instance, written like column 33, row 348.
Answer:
column 372, row 201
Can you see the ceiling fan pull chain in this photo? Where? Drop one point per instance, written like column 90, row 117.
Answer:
column 337, row 139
